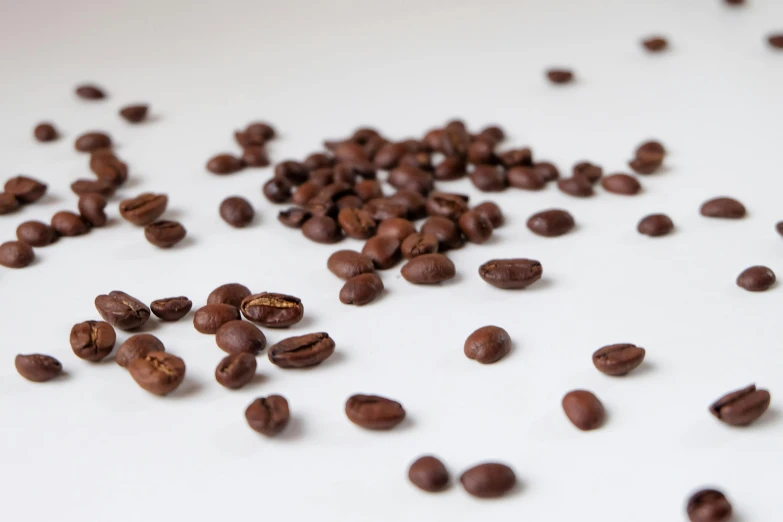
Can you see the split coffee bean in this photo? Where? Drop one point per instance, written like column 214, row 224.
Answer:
column 655, row 44
column 209, row 318
column 448, row 233
column 90, row 92
column 583, row 409
column 708, row 505
column 428, row 269
column 36, row 234
column 135, row 346
column 398, row 228
column 741, row 407
column 756, row 279
column 237, row 211
column 268, row 415
column 45, row 132
column 240, row 337
column 25, row 189
column 726, row 208
column 475, row 227
column 655, row 225
column 103, row 187
column 576, row 187
column 551, row 223
column 356, row 223
column 37, row 367
column 419, row 244
column 171, row 308
column 236, row 370
column 293, row 217
column 618, row 359
column 230, row 294
column 373, row 412
column 428, row 474
column 165, row 233
column 91, row 141
column 91, row 208
column 8, row 203
column 322, row 229
column 526, row 178
column 623, row 184
column 346, row 264
column 272, row 310
column 144, row 208
column 488, row 344
column 560, row 76
column 134, row 113
column 92, row 340
column 383, row 251
column 450, row 206
column 488, row 480
column 16, row 254
column 277, row 190
column 159, row 373
column 511, row 273
column 302, row 351
column 122, row 310
column 223, row 164
column 361, row 289
column 488, row 178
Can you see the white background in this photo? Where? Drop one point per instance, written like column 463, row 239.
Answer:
column 94, row 446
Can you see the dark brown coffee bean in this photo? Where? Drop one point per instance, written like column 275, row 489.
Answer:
column 709, row 505
column 413, row 202
column 618, row 359
column 384, row 251
column 776, row 40
column 577, row 187
column 68, row 224
column 44, row 132
column 348, row 150
column 16, row 254
column 8, row 203
column 727, row 208
column 91, row 208
column 171, row 308
column 134, row 113
column 389, row 156
column 735, row 2
column 655, row 44
column 322, row 229
column 255, row 156
column 291, row 171
column 559, row 76
column 551, row 223
column 144, row 208
column 446, row 230
column 159, row 373
column 91, row 141
column 361, row 289
column 236, row 370
column 368, row 189
column 517, row 158
column 92, row 340
column 526, row 178
column 455, row 141
column 272, row 310
column 429, row 474
column 621, row 184
column 651, row 147
column 322, row 207
column 318, row 160
column 419, row 160
column 268, row 415
column 741, row 407
column 432, row 139
column 165, row 233
column 482, row 152
column 240, row 337
column 333, row 192
column 450, row 168
column 349, row 201
column 348, row 171
column 25, row 189
column 135, row 346
column 488, row 344
column 475, row 227
column 102, row 187
column 546, row 171
column 237, row 211
column 428, row 269
column 37, row 367
column 398, row 228
column 108, row 167
column 223, row 164
column 385, row 208
column 231, row 294
column 488, row 178
column 293, row 217
column 451, row 206
column 419, row 244
column 277, row 190
column 646, row 163
column 655, row 225
column 346, row 264
column 511, row 273
column 588, row 171
column 302, row 351
column 492, row 212
column 488, row 480
column 90, row 92
column 406, row 177
column 36, row 234
column 209, row 318
column 122, row 310
column 583, row 409
column 756, row 279
column 261, row 129
column 493, row 133
column 373, row 412
column 305, row 192
column 245, row 139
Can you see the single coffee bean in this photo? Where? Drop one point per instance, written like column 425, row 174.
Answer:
column 450, row 168
column 373, row 412
column 294, row 172
column 433, row 139
column 493, row 133
column 302, row 351
column 776, row 40
column 429, row 474
column 321, row 207
column 756, row 279
column 708, row 505
column 588, row 171
column 517, row 158
column 448, row 233
column 171, row 308
column 651, row 147
column 488, row 344
column 475, row 227
column 384, row 251
column 322, row 229
column 406, row 177
column 334, row 191
column 8, row 203
column 102, row 187
column 389, row 156
column 735, row 2
column 305, row 192
column 419, row 160
column 741, row 407
column 559, row 76
column 25, row 189
column 272, row 310
column 255, row 156
column 122, row 310
column 398, row 228
column 621, row 184
column 245, row 139
column 16, row 254
column 451, row 206
column 158, row 372
column 91, row 208
column 240, row 337
column 368, row 189
column 134, row 113
column 655, row 44
column 346, row 264
column 455, row 141
column 108, row 167
column 236, row 370
column 646, row 163
column 44, row 132
column 413, row 202
column 230, row 294
column 277, row 190
column 577, row 187
column 727, row 208
column 492, row 212
column 655, row 225
column 237, row 211
column 268, row 415
column 68, row 224
column 343, row 173
column 583, row 409
column 262, row 130
column 356, row 223
column 419, row 244
column 144, row 208
column 546, row 171
column 526, row 178
column 385, row 208
column 511, row 273
column 482, row 152
column 91, row 141
column 348, row 150
column 488, row 178
column 135, row 346
column 36, row 234
column 92, row 340
column 209, row 318
column 350, row 201
column 551, row 223
column 293, row 217
column 90, row 92
column 165, row 233
column 488, row 480
column 618, row 359
column 428, row 269
column 223, row 164
column 37, row 367
column 318, row 160
column 361, row 289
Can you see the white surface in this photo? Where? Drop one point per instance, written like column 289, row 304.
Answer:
column 94, row 446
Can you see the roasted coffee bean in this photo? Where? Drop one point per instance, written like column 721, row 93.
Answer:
column 231, row 294
column 546, row 171
column 158, row 372
column 389, row 156
column 105, row 188
column 708, row 505
column 165, row 233
column 25, row 189
column 322, row 177
column 517, row 158
column 209, row 318
column 361, row 289
column 727, row 208
column 588, row 171
column 482, row 152
column 492, row 212
column 68, row 224
column 277, row 190
column 302, row 351
column 583, row 409
column 346, row 264
column 90, row 92
column 419, row 160
column 171, row 308
column 122, row 310
column 91, row 141
column 373, row 412
column 559, row 76
column 261, row 129
column 741, row 407
column 655, row 44
column 8, row 203
column 36, row 234
column 268, row 415
column 551, row 223
column 321, row 207
column 368, row 189
column 651, row 147
column 618, row 359
column 91, row 208
column 305, row 192
column 488, row 480
column 475, row 227
column 322, row 229
column 446, row 230
column 455, row 141
column 135, row 346
column 144, row 208
column 526, row 178
column 776, row 40
column 511, row 273
column 414, row 203
column 432, row 139
column 272, row 310
column 429, row 474
column 318, row 160
column 451, row 206
column 240, row 337
column 577, row 187
column 348, row 150
column 293, row 217
column 37, row 367
column 398, row 228
column 291, row 171
column 488, row 344
column 428, row 269
column 419, row 244
column 236, row 370
column 385, row 208
column 237, row 211
column 493, row 132
column 350, row 201
column 646, row 163
column 621, row 184
column 450, row 168
column 92, row 340
column 348, row 171
column 333, row 192
column 108, row 167
column 16, row 254
column 223, row 164
column 756, row 279
column 488, row 178
column 384, row 251
column 406, row 177
column 134, row 113
column 655, row 225
column 255, row 156
column 245, row 139
column 44, row 132
column 735, row 2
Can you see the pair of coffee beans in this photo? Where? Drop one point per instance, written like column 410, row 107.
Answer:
column 487, row 480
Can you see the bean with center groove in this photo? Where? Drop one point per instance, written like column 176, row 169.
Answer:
column 272, row 310
column 302, row 351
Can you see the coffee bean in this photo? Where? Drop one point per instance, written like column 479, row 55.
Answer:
column 209, row 318
column 333, row 192
column 261, row 129
column 255, row 156
column 102, row 187
column 385, row 208
column 413, row 202
column 735, row 2
column 779, row 227
column 488, row 480
column 244, row 139
column 236, row 370
column 389, row 156
column 171, row 308
column 223, row 164
column 230, row 294
column 655, row 44
column 122, row 310
column 144, row 208
column 91, row 141
column 429, row 474
column 756, row 279
column 406, row 177
column 384, row 251
column 321, row 207
column 350, row 201
column 398, row 228
column 346, row 264
column 16, row 254
column 583, row 409
column 621, row 184
column 525, row 178
column 318, row 160
column 240, row 337
column 450, row 168
column 482, row 152
column 419, row 160
column 428, row 269
column 356, row 223
column 361, row 289
column 651, row 147
column 655, row 225
column 419, row 244
column 708, row 505
column 776, row 40
column 236, row 211
column 559, row 76
column 727, row 208
column 44, row 132
column 433, row 138
column 741, row 407
column 293, row 217
column 272, row 310
column 488, row 178
column 322, row 229
column 68, row 224
column 302, row 351
column 517, row 158
column 492, row 212
column 165, row 233
column 36, row 234
column 91, row 208
column 294, row 172
column 588, row 171
column 511, row 273
column 577, row 187
column 451, row 206
column 8, row 203
column 646, row 163
column 618, row 359
column 108, row 167
column 488, row 344
column 268, row 415
column 134, row 113
column 37, row 367
column 373, row 412
column 277, row 190
column 348, row 150
column 135, row 346
column 368, row 189
column 454, row 141
column 92, row 340
column 475, row 227
column 25, row 189
column 90, row 92
column 546, row 171
column 305, row 192
column 446, row 230
column 551, row 223
column 493, row 132
column 159, row 373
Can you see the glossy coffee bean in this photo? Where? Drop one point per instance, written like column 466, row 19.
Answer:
column 134, row 113
column 419, row 244
column 144, row 208
column 398, row 228
column 419, row 160
column 546, row 171
column 268, row 415
column 487, row 345
column 646, row 163
column 406, row 177
column 450, row 168
column 384, row 251
column 655, row 44
column 623, row 184
column 756, row 279
column 322, row 229
column 102, row 187
column 262, row 130
column 583, row 409
column 45, row 132
column 450, row 206
column 8, row 203
column 448, row 233
column 368, row 189
column 135, row 346
column 488, row 178
column 318, row 160
column 68, row 224
column 305, row 192
column 475, row 227
column 492, row 212
column 122, row 310
column 551, row 223
column 223, row 164
column 385, row 208
column 517, row 158
column 236, row 370
column 511, row 273
column 302, row 351
column 655, row 225
column 346, row 264
column 90, row 92
column 165, row 233
column 576, row 187
column 37, row 367
column 488, row 480
column 240, row 337
column 389, row 155
column 91, row 141
column 209, row 318
column 293, row 217
column 428, row 269
column 277, row 190
column 741, row 407
column 428, row 474
column 36, row 234
column 171, row 308
column 108, row 167
column 493, row 133
column 159, row 373
column 526, row 178
column 374, row 412
column 291, row 171
column 588, row 171
column 413, row 202
column 92, row 340
column 726, row 208
column 618, row 359
column 361, row 289
column 229, row 293
column 775, row 40
column 237, row 211
column 16, row 254
column 25, row 189
column 559, row 76
column 272, row 310
column 708, row 505
column 91, row 208
column 255, row 156
column 356, row 223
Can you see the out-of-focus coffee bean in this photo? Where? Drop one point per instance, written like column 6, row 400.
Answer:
column 492, row 212
column 134, row 113
column 91, row 141
column 36, row 234
column 91, row 208
column 68, row 224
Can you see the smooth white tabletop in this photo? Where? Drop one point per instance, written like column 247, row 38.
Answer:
column 95, row 447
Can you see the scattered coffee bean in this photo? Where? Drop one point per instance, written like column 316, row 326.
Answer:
column 305, row 192
column 165, row 233
column 37, row 367
column 209, row 318
column 92, row 340
column 16, row 254
column 778, row 226
column 293, row 172
column 588, row 171
column 36, row 234
column 356, row 223
column 517, row 158
column 727, row 208
column 318, row 160
column 144, row 208
column 134, row 113
column 488, row 344
column 237, row 211
column 263, row 130
column 655, row 225
column 385, row 208
column 583, row 409
column 655, row 44
column 389, row 156
column 102, row 187
column 91, row 208
column 384, row 251
column 511, row 273
column 708, row 505
column 108, row 167
column 741, row 407
column 551, row 223
column 446, row 230
column 756, row 279
column 346, row 264
column 413, row 203
column 398, row 228
column 776, row 40
column 272, row 310
column 373, row 412
column 419, row 160
column 488, row 480
column 621, row 184
column 90, row 92
column 122, row 310
column 428, row 269
column 368, row 189
column 277, row 190
column 419, row 244
column 560, row 76
column 492, row 133
column 406, row 177
column 361, row 289
column 526, row 178
column 491, row 211
column 450, row 168
column 293, row 217
column 223, row 164
column 302, row 351
column 8, row 203
column 268, row 415
column 447, row 205
column 322, row 229
column 735, row 2
column 429, row 474
column 546, row 171
column 618, row 359
column 44, row 132
column 230, row 294
column 488, row 178
column 171, row 308
column 68, row 224
column 475, row 227
column 236, row 370
column 350, row 201
column 135, row 346
column 91, row 141
column 159, row 373
column 482, row 152
column 255, row 156
column 240, row 337
column 25, row 189
column 577, row 187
